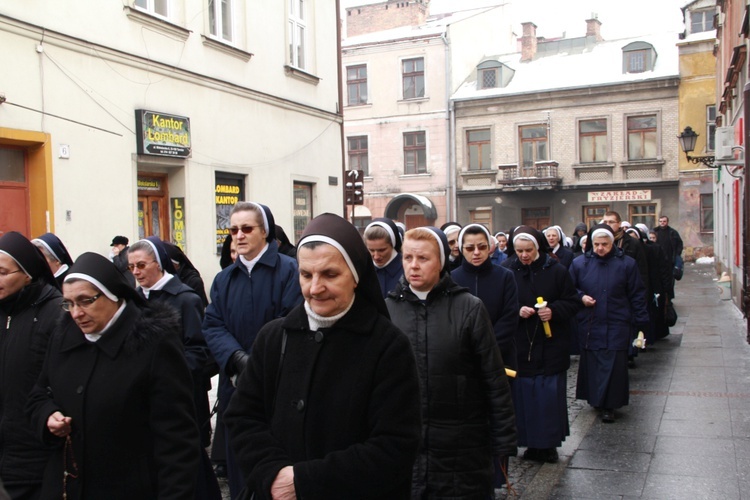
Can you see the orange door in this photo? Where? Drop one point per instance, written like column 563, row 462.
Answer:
column 14, row 209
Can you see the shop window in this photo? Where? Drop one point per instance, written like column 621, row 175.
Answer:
column 303, row 208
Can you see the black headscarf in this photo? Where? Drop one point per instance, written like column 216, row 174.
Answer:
column 226, row 253
column 55, row 247
column 333, row 228
column 391, row 228
column 269, row 224
column 28, row 257
column 101, row 272
column 285, row 246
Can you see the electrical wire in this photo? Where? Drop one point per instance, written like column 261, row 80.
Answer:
column 44, row 113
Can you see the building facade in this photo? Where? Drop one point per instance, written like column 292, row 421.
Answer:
column 568, row 129
column 155, row 116
column 400, row 65
column 697, row 96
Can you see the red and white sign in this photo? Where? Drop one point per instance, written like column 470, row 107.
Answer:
column 630, row 195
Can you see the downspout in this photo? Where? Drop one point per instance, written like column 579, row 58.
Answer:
column 450, row 186
column 744, row 293
column 340, row 109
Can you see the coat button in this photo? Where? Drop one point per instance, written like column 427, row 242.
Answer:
column 300, row 405
column 319, row 337
column 79, row 389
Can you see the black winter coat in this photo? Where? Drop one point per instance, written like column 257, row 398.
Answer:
column 189, row 307
column 341, row 405
column 495, row 286
column 549, row 279
column 129, row 397
column 467, row 411
column 26, row 323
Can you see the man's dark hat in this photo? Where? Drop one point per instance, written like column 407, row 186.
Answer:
column 119, row 240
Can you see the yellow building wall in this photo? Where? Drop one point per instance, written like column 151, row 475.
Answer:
column 697, row 91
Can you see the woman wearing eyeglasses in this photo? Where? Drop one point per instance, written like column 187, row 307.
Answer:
column 29, row 309
column 114, row 395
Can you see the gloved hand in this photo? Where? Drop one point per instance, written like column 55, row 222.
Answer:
column 238, row 362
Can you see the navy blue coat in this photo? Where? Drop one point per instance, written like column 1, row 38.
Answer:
column 496, row 287
column 241, row 304
column 614, row 282
column 389, row 275
column 564, row 256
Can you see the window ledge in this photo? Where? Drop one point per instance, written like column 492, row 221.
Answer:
column 222, row 46
column 593, row 165
column 479, row 172
column 301, row 74
column 414, row 176
column 642, row 163
column 415, row 99
column 363, row 105
column 157, row 23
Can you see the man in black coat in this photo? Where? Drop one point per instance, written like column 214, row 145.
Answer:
column 669, row 240
column 29, row 309
column 119, row 257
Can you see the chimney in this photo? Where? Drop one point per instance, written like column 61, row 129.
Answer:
column 594, row 28
column 528, row 42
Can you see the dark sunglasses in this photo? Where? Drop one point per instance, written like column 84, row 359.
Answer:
column 245, row 229
column 482, row 247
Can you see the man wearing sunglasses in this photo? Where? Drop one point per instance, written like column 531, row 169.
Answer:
column 261, row 285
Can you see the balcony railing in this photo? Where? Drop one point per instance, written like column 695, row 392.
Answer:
column 540, row 175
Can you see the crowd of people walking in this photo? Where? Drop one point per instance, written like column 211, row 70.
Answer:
column 389, row 364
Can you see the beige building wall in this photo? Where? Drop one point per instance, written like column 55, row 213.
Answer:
column 251, row 112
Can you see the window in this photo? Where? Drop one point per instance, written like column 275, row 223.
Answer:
column 701, row 20
column 707, row 213
column 229, row 189
column 356, row 84
column 593, row 214
column 297, row 33
column 478, row 146
column 303, row 208
column 592, row 140
column 415, row 153
column 533, row 140
column 413, row 77
column 488, row 78
column 710, row 128
column 642, row 214
column 358, row 153
column 158, row 7
column 642, row 137
column 638, row 57
column 220, row 19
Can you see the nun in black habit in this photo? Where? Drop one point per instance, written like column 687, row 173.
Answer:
column 328, row 406
column 55, row 254
column 29, row 310
column 114, row 395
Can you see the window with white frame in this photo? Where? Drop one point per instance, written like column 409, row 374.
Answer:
column 158, row 7
column 297, row 33
column 592, row 140
column 710, row 128
column 642, row 140
column 220, row 19
column 701, row 20
column 412, row 71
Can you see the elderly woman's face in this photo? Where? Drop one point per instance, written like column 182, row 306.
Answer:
column 553, row 238
column 602, row 245
column 421, row 259
column 327, row 282
column 526, row 251
column 91, row 316
column 12, row 278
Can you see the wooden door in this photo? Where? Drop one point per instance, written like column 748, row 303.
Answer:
column 14, row 209
column 152, row 217
column 538, row 218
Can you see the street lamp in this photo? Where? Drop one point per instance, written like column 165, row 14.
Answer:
column 687, row 143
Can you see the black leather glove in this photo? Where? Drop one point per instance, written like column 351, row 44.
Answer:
column 238, row 362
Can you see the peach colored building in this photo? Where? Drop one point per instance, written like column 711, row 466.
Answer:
column 400, row 66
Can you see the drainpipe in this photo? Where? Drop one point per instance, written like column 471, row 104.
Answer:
column 744, row 295
column 450, row 177
column 340, row 108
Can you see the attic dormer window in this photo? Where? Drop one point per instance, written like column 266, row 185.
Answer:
column 638, row 57
column 493, row 74
column 701, row 20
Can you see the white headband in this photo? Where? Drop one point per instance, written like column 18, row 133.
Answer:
column 85, row 277
column 602, row 232
column 19, row 264
column 525, row 236
column 265, row 218
column 386, row 227
column 325, row 239
column 37, row 242
column 156, row 252
column 463, row 231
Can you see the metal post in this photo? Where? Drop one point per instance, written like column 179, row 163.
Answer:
column 744, row 297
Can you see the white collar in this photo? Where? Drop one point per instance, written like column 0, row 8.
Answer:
column 250, row 264
column 158, row 285
column 93, row 337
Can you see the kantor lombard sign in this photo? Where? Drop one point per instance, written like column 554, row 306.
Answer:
column 161, row 134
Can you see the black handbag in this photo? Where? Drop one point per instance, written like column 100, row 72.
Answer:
column 678, row 268
column 670, row 315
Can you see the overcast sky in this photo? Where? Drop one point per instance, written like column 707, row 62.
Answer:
column 554, row 17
